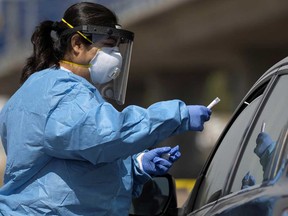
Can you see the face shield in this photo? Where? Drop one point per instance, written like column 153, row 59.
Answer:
column 116, row 88
column 101, row 37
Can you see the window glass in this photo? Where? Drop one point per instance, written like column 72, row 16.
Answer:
column 255, row 164
column 220, row 166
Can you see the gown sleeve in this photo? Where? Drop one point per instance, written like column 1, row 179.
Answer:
column 80, row 126
column 139, row 177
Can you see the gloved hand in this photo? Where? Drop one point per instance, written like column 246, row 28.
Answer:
column 198, row 115
column 248, row 180
column 264, row 149
column 264, row 142
column 174, row 154
column 154, row 164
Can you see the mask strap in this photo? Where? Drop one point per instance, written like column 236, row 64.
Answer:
column 80, row 33
column 75, row 64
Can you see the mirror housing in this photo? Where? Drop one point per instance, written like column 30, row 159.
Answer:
column 157, row 197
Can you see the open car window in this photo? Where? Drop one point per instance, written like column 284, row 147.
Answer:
column 217, row 174
column 257, row 159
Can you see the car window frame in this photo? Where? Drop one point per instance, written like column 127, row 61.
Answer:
column 279, row 157
column 252, row 94
column 269, row 88
column 268, row 91
column 281, row 165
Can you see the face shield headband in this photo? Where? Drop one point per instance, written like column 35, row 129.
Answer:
column 123, row 39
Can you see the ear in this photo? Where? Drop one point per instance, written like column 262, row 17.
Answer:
column 77, row 45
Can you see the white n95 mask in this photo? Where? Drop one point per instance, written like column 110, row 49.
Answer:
column 106, row 65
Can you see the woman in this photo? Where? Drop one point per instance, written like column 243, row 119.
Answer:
column 69, row 151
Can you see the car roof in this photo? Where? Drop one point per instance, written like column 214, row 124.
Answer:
column 269, row 73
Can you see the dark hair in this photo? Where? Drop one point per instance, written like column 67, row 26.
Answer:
column 50, row 45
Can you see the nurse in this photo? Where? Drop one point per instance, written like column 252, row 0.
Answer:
column 69, row 151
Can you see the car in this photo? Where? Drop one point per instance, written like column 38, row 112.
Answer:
column 246, row 172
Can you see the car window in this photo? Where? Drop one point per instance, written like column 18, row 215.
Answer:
column 216, row 177
column 254, row 167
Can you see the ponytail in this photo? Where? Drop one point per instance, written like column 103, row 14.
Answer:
column 43, row 55
column 50, row 42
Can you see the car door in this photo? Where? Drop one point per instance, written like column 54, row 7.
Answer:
column 211, row 183
column 252, row 187
column 219, row 189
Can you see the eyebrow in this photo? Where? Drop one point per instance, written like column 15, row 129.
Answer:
column 110, row 41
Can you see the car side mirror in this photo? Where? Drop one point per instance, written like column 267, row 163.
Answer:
column 157, row 197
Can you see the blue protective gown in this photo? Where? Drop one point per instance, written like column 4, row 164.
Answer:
column 71, row 153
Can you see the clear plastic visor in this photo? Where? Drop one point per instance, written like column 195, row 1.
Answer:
column 116, row 88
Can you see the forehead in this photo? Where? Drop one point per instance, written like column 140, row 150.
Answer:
column 100, row 41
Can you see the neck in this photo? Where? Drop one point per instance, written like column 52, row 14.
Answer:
column 79, row 69
column 75, row 64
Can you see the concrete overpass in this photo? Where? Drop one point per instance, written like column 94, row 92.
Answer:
column 241, row 37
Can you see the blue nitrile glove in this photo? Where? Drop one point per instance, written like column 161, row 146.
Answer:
column 248, row 181
column 264, row 144
column 154, row 164
column 198, row 115
column 264, row 149
column 174, row 154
